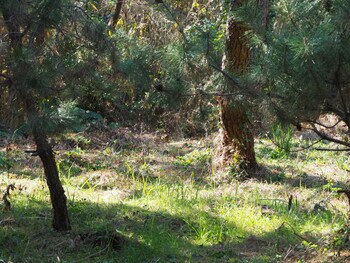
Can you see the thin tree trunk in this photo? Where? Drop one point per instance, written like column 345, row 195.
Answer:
column 60, row 221
column 238, row 136
column 58, row 199
column 116, row 15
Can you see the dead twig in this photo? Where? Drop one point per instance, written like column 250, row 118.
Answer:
column 294, row 231
column 7, row 204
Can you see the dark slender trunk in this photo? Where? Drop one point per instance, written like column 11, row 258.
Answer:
column 60, row 221
column 58, row 199
column 116, row 15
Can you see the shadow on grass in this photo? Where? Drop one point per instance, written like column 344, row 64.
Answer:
column 276, row 174
column 101, row 233
column 126, row 233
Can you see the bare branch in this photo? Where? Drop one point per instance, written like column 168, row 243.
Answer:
column 332, row 149
column 324, row 136
column 323, row 125
column 307, row 147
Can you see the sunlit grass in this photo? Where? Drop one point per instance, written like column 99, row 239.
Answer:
column 163, row 208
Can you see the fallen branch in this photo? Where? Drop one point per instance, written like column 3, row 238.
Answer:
column 32, row 152
column 294, row 231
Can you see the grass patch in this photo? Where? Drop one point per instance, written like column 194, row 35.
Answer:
column 156, row 202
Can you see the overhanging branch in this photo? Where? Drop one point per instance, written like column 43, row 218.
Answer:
column 324, row 136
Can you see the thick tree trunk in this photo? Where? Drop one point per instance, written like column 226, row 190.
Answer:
column 58, row 199
column 238, row 136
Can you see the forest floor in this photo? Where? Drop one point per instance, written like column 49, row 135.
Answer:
column 137, row 197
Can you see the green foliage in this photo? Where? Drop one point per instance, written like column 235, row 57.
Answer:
column 160, row 212
column 330, row 186
column 66, row 117
column 5, row 163
column 195, row 157
column 76, row 118
column 138, row 70
column 282, row 137
column 301, row 56
column 162, row 72
column 339, row 239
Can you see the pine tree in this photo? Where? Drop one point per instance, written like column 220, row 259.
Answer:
column 49, row 48
column 237, row 131
column 303, row 59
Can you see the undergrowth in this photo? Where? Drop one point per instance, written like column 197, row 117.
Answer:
column 157, row 202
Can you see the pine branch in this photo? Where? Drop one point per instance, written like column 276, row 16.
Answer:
column 333, row 109
column 226, row 75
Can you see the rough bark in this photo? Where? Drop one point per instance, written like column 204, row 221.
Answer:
column 238, row 136
column 237, row 52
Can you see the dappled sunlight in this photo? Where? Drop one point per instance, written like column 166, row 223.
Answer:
column 165, row 206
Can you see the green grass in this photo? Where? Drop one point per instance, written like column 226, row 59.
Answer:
column 157, row 202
